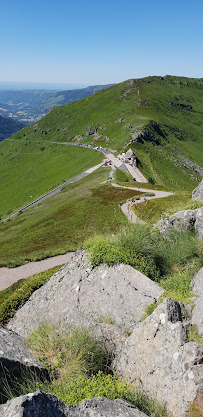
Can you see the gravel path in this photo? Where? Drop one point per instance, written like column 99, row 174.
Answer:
column 9, row 276
column 127, row 207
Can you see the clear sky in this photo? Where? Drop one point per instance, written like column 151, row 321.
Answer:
column 99, row 41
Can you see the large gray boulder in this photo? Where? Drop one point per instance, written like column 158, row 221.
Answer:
column 16, row 361
column 39, row 404
column 197, row 289
column 159, row 357
column 82, row 295
column 197, row 193
column 36, row 404
column 184, row 221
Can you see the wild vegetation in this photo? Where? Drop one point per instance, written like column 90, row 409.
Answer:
column 171, row 262
column 63, row 222
column 79, row 368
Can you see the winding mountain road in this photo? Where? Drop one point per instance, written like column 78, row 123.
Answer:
column 127, row 207
column 108, row 154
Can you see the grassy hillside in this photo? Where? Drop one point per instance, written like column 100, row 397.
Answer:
column 31, row 105
column 160, row 117
column 63, row 222
column 29, row 170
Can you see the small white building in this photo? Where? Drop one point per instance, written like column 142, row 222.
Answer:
column 128, row 158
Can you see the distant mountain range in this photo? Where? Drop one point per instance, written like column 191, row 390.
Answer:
column 9, row 126
column 29, row 106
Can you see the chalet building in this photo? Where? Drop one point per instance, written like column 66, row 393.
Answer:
column 129, row 157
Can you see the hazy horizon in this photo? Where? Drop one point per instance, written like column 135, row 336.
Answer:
column 91, row 43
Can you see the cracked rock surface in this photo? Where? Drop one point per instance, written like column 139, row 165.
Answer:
column 184, row 221
column 82, row 295
column 159, row 356
column 39, row 404
column 197, row 312
column 35, row 404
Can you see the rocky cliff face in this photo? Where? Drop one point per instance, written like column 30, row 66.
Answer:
column 197, row 289
column 159, row 357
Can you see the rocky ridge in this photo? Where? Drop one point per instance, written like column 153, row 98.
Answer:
column 82, row 295
column 185, row 221
column 110, row 300
column 159, row 357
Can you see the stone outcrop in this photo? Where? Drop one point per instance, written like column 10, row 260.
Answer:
column 16, row 361
column 185, row 221
column 82, row 295
column 36, row 404
column 197, row 289
column 39, row 404
column 197, row 193
column 159, row 357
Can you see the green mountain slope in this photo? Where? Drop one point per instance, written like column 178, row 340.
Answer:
column 159, row 117
column 29, row 106
column 29, row 170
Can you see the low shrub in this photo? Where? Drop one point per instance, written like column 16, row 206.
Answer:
column 108, row 386
column 110, row 251
column 193, row 335
column 148, row 251
column 68, row 353
column 77, row 365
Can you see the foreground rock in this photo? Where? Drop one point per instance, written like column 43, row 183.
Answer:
column 197, row 289
column 82, row 295
column 185, row 220
column 159, row 356
column 16, row 361
column 39, row 404
column 197, row 193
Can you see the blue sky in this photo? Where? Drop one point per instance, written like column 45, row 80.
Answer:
column 98, row 42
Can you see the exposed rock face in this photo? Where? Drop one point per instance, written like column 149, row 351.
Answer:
column 158, row 355
column 185, row 221
column 36, row 404
column 197, row 289
column 81, row 294
column 197, row 193
column 39, row 404
column 16, row 360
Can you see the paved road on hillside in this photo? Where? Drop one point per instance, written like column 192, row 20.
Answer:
column 9, row 276
column 56, row 190
column 127, row 207
column 108, row 154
